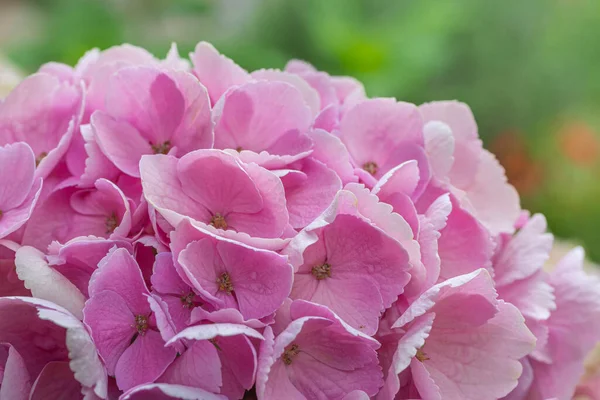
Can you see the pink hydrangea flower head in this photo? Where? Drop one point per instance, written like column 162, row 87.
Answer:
column 46, row 351
column 44, row 113
column 250, row 201
column 20, row 188
column 266, row 122
column 121, row 322
column 172, row 115
column 455, row 351
column 316, row 356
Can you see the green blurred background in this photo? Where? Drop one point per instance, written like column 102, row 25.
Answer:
column 530, row 70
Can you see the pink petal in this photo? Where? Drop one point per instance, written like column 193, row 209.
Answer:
column 15, row 218
column 495, row 201
column 439, row 144
column 374, row 127
column 199, row 366
column 215, row 71
column 308, row 197
column 122, row 143
column 120, row 273
column 43, row 112
column 143, row 361
column 256, row 115
column 17, row 164
column 84, row 360
column 47, row 283
column 55, row 381
column 525, row 253
column 310, row 95
column 15, row 382
column 111, row 325
column 330, row 150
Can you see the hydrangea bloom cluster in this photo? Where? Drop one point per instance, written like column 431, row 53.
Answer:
column 175, row 229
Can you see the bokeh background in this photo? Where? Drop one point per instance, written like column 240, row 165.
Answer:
column 530, row 70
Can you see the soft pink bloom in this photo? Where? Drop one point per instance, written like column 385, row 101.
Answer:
column 219, row 357
column 218, row 191
column 266, row 122
column 103, row 211
column 44, row 113
column 574, row 330
column 20, row 189
column 346, row 263
column 458, row 341
column 46, row 353
column 229, row 274
column 122, row 324
column 179, row 297
column 476, row 177
column 381, row 134
column 317, row 355
column 152, row 111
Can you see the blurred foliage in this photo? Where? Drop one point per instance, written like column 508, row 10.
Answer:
column 529, row 69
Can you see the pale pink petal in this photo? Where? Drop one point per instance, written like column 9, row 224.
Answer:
column 525, row 253
column 47, row 283
column 257, row 115
column 495, row 201
column 310, row 95
column 13, row 219
column 17, row 164
column 439, row 144
column 330, row 150
column 215, row 71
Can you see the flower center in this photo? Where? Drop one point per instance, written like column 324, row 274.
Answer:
column 1, row 214
column 218, row 221
column 371, row 167
column 39, row 158
column 188, row 300
column 224, row 282
column 421, row 356
column 161, row 148
column 321, row 271
column 141, row 324
column 111, row 223
column 289, row 353
column 239, row 149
